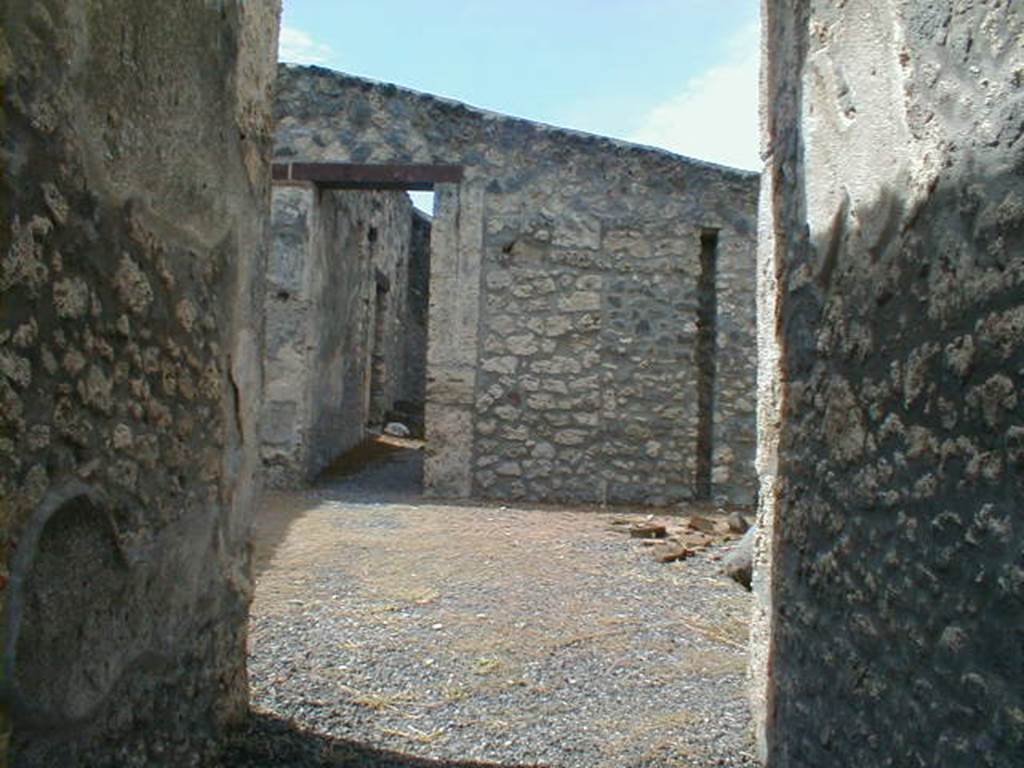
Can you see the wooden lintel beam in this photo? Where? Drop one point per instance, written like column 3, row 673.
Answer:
column 417, row 176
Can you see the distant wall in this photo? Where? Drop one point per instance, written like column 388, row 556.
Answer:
column 335, row 305
column 893, row 440
column 390, row 241
column 134, row 194
column 412, row 395
column 567, row 280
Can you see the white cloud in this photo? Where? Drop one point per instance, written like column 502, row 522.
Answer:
column 298, row 47
column 714, row 116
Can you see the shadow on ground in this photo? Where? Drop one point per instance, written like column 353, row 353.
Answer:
column 380, row 470
column 272, row 742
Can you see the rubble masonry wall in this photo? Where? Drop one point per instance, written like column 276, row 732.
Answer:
column 893, row 448
column 565, row 284
column 133, row 200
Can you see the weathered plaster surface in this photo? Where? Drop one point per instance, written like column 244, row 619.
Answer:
column 134, row 194
column 335, row 305
column 896, row 210
column 768, row 396
column 564, row 293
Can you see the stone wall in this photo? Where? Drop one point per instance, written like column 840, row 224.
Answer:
column 335, row 306
column 894, row 440
column 564, row 292
column 390, row 240
column 412, row 395
column 134, row 193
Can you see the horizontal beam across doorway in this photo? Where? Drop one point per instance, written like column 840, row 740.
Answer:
column 415, row 177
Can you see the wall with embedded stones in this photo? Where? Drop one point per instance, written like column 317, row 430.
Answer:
column 893, row 453
column 132, row 245
column 566, row 278
column 336, row 299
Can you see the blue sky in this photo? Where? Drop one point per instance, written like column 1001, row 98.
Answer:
column 679, row 74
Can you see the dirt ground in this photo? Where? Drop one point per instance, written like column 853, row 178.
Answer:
column 388, row 629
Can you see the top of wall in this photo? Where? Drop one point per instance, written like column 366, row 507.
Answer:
column 309, row 96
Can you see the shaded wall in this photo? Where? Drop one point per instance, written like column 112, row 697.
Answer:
column 412, row 395
column 894, row 447
column 564, row 293
column 391, row 249
column 133, row 204
column 335, row 305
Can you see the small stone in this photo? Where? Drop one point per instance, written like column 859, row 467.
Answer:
column 71, row 297
column 737, row 523
column 738, row 564
column 122, row 437
column 508, row 469
column 396, row 429
column 648, row 531
column 671, row 552
column 696, row 539
column 698, row 523
column 132, row 285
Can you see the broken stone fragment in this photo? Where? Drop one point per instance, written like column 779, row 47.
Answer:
column 702, row 524
column 695, row 539
column 648, row 531
column 671, row 552
column 722, row 528
column 737, row 523
column 396, row 429
column 738, row 564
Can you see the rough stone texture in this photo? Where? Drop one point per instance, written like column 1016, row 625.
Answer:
column 896, row 208
column 564, row 292
column 336, row 310
column 133, row 202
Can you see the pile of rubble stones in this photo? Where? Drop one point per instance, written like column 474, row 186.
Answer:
column 679, row 538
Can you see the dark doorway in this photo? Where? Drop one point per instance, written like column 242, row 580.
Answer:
column 707, row 310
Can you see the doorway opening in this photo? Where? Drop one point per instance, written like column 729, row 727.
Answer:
column 707, row 328
column 347, row 311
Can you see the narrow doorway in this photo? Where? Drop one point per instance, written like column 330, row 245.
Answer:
column 347, row 307
column 707, row 311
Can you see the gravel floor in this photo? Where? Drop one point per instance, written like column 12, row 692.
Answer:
column 389, row 631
